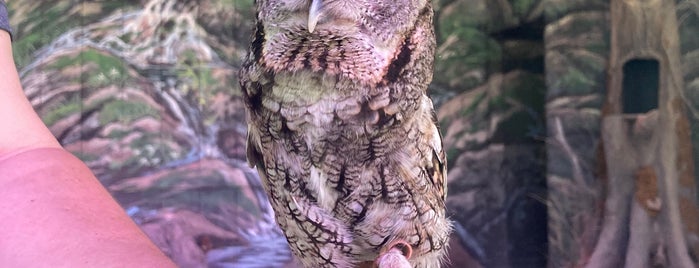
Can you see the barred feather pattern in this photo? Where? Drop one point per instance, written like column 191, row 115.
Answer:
column 342, row 132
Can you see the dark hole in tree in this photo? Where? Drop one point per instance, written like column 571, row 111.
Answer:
column 640, row 86
column 523, row 50
column 523, row 47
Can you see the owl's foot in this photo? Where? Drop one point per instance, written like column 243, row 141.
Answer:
column 396, row 256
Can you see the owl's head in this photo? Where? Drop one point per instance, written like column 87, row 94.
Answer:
column 369, row 32
column 379, row 17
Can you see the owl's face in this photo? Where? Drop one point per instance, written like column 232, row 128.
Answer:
column 301, row 32
column 375, row 17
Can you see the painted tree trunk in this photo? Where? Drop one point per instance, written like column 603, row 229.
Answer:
column 650, row 215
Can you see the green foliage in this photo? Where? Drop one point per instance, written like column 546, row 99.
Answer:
column 452, row 155
column 105, row 62
column 72, row 106
column 118, row 134
column 555, row 9
column 601, row 47
column 200, row 79
column 689, row 39
column 592, row 61
column 472, row 49
column 206, row 190
column 452, row 24
column 148, row 151
column 85, row 157
column 210, row 199
column 43, row 24
column 474, row 105
column 125, row 111
column 516, row 128
column 203, row 87
column 241, row 4
column 521, row 8
column 197, row 80
column 126, row 38
column 576, row 82
column 109, row 70
column 528, row 91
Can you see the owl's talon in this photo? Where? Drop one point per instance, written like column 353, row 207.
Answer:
column 396, row 256
column 392, row 259
column 404, row 248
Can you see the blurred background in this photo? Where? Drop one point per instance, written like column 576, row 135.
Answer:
column 146, row 93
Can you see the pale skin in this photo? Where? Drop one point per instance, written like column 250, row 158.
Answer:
column 53, row 211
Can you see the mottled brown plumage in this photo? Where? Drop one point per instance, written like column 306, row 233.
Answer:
column 342, row 132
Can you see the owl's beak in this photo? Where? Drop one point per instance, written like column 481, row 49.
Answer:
column 314, row 14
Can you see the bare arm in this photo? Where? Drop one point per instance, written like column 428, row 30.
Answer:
column 20, row 127
column 53, row 211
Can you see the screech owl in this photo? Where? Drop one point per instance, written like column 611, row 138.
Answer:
column 342, row 132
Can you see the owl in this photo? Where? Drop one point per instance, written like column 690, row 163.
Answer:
column 342, row 132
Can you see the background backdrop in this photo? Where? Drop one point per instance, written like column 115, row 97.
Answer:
column 145, row 92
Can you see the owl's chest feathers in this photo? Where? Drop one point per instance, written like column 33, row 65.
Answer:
column 314, row 104
column 336, row 120
column 351, row 55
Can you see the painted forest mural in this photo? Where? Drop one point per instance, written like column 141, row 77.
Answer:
column 145, row 92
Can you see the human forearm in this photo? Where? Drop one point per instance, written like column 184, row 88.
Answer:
column 56, row 214
column 53, row 211
column 20, row 127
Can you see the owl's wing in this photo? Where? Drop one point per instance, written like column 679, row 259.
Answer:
column 252, row 94
column 252, row 152
column 439, row 175
column 439, row 160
